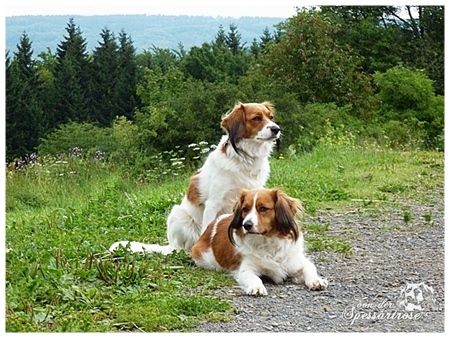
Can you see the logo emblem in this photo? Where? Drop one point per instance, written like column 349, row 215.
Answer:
column 416, row 297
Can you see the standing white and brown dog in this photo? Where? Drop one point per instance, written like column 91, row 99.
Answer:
column 240, row 161
column 261, row 238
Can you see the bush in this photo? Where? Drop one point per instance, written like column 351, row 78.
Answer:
column 313, row 123
column 85, row 136
column 124, row 134
column 434, row 115
column 409, row 111
column 176, row 112
column 404, row 89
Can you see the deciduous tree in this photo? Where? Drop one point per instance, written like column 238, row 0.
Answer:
column 312, row 64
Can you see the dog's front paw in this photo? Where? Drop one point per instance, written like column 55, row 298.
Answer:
column 317, row 284
column 256, row 290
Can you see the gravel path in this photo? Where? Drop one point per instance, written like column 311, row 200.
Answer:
column 364, row 287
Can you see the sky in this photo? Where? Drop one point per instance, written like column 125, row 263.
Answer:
column 234, row 8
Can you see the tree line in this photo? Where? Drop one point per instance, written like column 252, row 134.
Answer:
column 365, row 67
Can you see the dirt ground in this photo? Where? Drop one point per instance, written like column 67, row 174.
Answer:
column 365, row 288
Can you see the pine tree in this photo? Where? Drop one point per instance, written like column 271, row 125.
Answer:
column 233, row 40
column 72, row 78
column 220, row 40
column 105, row 80
column 45, row 66
column 266, row 38
column 255, row 48
column 23, row 110
column 128, row 100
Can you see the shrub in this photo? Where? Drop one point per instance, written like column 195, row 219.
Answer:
column 404, row 89
column 320, row 122
column 124, row 134
column 409, row 111
column 85, row 136
column 434, row 115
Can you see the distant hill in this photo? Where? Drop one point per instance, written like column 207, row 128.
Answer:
column 145, row 30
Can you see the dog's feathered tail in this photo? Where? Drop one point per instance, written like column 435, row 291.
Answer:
column 142, row 247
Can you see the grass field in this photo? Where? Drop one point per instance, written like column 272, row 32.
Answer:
column 61, row 217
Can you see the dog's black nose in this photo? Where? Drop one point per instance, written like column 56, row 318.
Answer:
column 248, row 225
column 275, row 129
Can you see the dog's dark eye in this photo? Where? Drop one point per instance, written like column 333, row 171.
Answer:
column 244, row 209
column 257, row 119
column 263, row 209
column 271, row 117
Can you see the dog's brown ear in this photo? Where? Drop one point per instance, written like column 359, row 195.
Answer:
column 269, row 106
column 234, row 125
column 286, row 210
column 237, row 220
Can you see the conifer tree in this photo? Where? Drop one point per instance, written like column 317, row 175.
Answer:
column 221, row 38
column 128, row 100
column 23, row 110
column 45, row 66
column 255, row 48
column 105, row 79
column 233, row 40
column 72, row 78
column 266, row 38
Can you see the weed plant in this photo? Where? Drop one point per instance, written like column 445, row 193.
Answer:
column 63, row 213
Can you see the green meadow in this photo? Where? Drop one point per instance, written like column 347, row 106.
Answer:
column 63, row 214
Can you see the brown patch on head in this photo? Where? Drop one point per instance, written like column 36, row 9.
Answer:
column 245, row 120
column 193, row 191
column 275, row 213
column 265, row 207
column 234, row 124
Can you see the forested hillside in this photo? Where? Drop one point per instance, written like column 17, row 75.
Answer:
column 362, row 72
column 162, row 31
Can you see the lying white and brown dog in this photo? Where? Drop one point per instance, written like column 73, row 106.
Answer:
column 261, row 238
